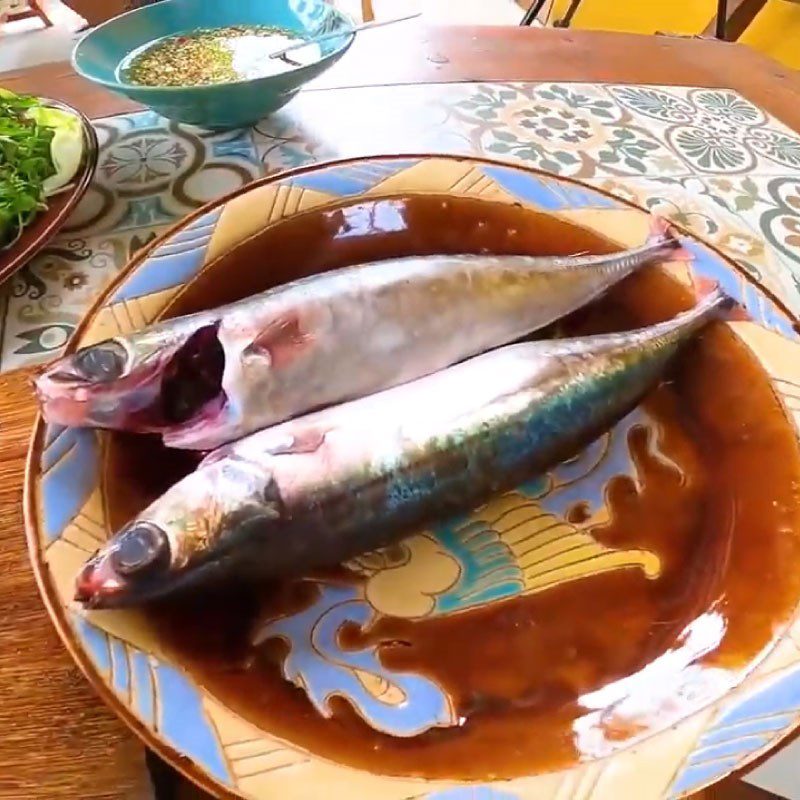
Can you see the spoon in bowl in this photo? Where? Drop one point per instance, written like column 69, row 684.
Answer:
column 334, row 34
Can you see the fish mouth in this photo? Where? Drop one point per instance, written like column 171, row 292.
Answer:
column 131, row 569
column 98, row 587
column 175, row 388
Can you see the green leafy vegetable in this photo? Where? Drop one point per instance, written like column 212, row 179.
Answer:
column 29, row 168
column 66, row 147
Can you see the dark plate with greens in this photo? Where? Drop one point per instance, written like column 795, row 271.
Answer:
column 48, row 154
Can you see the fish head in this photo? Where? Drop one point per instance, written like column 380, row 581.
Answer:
column 140, row 382
column 200, row 530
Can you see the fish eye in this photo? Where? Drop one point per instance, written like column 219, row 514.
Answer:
column 101, row 362
column 140, row 548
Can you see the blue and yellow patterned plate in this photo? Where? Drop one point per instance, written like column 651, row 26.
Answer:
column 663, row 727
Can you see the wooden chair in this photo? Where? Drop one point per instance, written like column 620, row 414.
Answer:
column 12, row 10
column 683, row 17
column 538, row 8
column 733, row 17
column 775, row 31
column 97, row 11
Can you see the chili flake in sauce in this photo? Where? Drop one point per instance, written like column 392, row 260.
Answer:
column 215, row 55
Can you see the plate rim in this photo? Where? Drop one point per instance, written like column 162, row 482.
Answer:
column 57, row 613
column 141, row 255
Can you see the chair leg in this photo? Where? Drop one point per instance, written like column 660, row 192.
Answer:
column 533, row 12
column 566, row 21
column 367, row 11
column 733, row 18
column 40, row 12
column 722, row 18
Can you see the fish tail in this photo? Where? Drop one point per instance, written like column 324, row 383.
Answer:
column 664, row 236
column 710, row 295
column 665, row 337
column 713, row 304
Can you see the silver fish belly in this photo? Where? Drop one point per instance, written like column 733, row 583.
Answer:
column 323, row 488
column 323, row 340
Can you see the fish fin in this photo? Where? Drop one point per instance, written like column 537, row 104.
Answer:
column 212, row 456
column 708, row 291
column 304, row 441
column 282, row 340
column 663, row 233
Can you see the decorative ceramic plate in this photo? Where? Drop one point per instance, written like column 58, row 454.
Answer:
column 47, row 224
column 622, row 626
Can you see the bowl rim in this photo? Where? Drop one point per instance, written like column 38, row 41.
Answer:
column 58, row 613
column 124, row 86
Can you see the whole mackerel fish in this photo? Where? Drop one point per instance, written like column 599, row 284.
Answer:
column 323, row 488
column 213, row 377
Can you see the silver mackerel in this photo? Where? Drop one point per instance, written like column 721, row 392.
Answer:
column 322, row 488
column 216, row 376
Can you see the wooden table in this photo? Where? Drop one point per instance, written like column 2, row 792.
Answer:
column 56, row 739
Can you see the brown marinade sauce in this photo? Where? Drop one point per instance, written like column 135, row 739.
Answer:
column 726, row 533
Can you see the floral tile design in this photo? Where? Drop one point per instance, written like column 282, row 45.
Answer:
column 713, row 131
column 46, row 299
column 717, row 214
column 707, row 158
column 151, row 171
column 573, row 130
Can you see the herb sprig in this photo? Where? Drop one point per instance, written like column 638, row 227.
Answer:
column 25, row 163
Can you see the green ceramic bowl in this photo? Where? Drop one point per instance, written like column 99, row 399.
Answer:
column 98, row 56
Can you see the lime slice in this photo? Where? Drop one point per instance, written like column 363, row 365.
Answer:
column 66, row 147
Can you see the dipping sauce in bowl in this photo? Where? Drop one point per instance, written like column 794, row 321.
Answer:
column 215, row 55
column 213, row 50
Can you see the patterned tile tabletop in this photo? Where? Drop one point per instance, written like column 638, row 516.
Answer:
column 708, row 159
